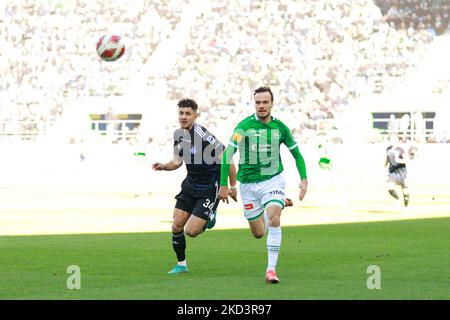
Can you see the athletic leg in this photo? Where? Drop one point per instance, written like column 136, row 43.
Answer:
column 391, row 187
column 195, row 226
column 405, row 196
column 180, row 218
column 273, row 198
column 257, row 226
column 213, row 216
column 405, row 190
column 181, row 214
column 253, row 209
column 204, row 208
column 273, row 240
column 393, row 193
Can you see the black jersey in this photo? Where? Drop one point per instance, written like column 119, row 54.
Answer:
column 199, row 150
column 392, row 152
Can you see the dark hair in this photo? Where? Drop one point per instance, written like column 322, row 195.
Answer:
column 188, row 103
column 263, row 89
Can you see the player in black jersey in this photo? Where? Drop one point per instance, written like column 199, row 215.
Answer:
column 396, row 158
column 195, row 209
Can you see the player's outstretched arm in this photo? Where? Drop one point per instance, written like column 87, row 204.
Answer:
column 301, row 168
column 173, row 164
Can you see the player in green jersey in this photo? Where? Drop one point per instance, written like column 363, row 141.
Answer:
column 258, row 138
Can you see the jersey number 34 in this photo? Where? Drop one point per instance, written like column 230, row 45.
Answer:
column 208, row 204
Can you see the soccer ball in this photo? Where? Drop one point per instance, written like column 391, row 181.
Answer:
column 110, row 47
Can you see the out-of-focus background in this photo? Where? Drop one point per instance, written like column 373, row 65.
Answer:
column 345, row 74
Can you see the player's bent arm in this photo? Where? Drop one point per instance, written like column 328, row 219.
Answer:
column 232, row 175
column 173, row 164
column 232, row 171
column 301, row 168
column 299, row 163
column 227, row 160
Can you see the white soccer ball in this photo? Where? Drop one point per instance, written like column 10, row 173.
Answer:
column 110, row 47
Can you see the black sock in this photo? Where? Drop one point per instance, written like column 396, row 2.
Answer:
column 394, row 194
column 179, row 245
column 406, row 199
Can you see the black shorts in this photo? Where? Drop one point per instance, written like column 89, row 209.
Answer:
column 398, row 177
column 201, row 205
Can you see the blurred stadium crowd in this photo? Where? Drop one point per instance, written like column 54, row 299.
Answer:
column 48, row 54
column 317, row 55
column 433, row 15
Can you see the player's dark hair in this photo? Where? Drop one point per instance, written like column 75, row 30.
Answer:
column 188, row 103
column 263, row 89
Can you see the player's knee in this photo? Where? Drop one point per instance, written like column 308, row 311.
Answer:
column 274, row 221
column 191, row 232
column 258, row 234
column 176, row 228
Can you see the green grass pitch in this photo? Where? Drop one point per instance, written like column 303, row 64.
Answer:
column 316, row 262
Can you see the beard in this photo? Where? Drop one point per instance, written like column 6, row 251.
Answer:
column 263, row 117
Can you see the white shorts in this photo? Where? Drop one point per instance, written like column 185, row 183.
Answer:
column 257, row 196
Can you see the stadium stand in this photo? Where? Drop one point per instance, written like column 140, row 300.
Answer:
column 432, row 15
column 317, row 55
column 48, row 52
